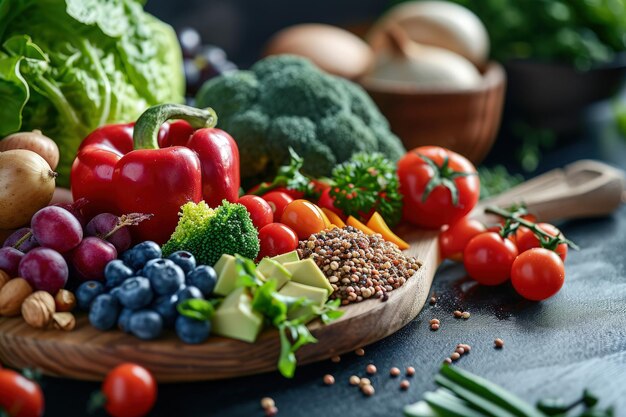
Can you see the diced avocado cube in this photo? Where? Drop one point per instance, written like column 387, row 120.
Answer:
column 287, row 257
column 315, row 294
column 235, row 318
column 226, row 269
column 306, row 272
column 271, row 269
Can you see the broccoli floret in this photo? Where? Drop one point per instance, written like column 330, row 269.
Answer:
column 209, row 233
column 325, row 119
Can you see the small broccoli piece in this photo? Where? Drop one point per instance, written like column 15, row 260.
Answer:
column 209, row 233
column 241, row 88
column 248, row 129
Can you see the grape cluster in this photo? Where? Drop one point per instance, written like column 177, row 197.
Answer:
column 201, row 62
column 142, row 292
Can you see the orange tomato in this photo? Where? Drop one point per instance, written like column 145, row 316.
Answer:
column 305, row 218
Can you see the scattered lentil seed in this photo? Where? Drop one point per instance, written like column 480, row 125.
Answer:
column 394, row 371
column 499, row 343
column 368, row 390
column 457, row 313
column 329, row 379
column 410, row 371
column 267, row 402
column 434, row 327
column 335, row 359
column 271, row 411
column 433, row 300
column 360, row 352
column 434, row 321
column 370, row 369
column 355, row 380
column 447, row 360
column 404, row 385
column 455, row 356
column 364, row 381
column 460, row 350
column 465, row 315
column 465, row 347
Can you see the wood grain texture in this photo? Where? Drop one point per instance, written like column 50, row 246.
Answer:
column 89, row 354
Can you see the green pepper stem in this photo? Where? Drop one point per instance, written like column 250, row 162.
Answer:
column 146, row 132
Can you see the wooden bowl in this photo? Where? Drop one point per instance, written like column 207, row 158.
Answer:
column 465, row 121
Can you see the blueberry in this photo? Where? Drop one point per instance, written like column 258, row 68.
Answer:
column 165, row 276
column 139, row 255
column 87, row 292
column 135, row 293
column 184, row 259
column 124, row 319
column 204, row 278
column 192, row 331
column 165, row 305
column 146, row 324
column 115, row 272
column 115, row 292
column 103, row 312
column 189, row 292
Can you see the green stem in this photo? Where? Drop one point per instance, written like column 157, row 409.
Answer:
column 146, row 130
column 22, row 240
column 532, row 226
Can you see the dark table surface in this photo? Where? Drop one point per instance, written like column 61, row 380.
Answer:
column 558, row 347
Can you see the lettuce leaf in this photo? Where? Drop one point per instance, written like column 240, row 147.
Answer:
column 70, row 66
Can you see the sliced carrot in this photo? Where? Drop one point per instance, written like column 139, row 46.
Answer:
column 378, row 225
column 334, row 219
column 360, row 226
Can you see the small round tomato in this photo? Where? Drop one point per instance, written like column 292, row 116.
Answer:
column 537, row 274
column 292, row 193
column 526, row 239
column 130, row 391
column 19, row 396
column 278, row 200
column 304, row 217
column 326, row 201
column 454, row 238
column 260, row 211
column 276, row 239
column 488, row 258
column 439, row 186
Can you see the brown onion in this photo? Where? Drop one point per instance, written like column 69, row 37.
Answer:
column 33, row 141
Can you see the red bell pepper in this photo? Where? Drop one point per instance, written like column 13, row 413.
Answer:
column 155, row 167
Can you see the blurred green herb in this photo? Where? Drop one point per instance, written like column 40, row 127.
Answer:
column 619, row 107
column 534, row 142
column 495, row 180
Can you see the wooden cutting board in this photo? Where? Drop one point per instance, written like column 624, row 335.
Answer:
column 583, row 189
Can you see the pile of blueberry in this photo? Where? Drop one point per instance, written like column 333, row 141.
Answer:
column 142, row 292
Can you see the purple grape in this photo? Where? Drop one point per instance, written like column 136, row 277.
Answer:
column 44, row 269
column 10, row 260
column 102, row 224
column 75, row 208
column 56, row 228
column 91, row 256
column 25, row 246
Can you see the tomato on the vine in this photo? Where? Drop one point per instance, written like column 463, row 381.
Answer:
column 526, row 239
column 19, row 396
column 488, row 258
column 278, row 200
column 276, row 239
column 537, row 274
column 260, row 210
column 439, row 186
column 129, row 391
column 454, row 238
column 304, row 218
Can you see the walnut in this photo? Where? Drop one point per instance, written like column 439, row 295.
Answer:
column 64, row 321
column 65, row 300
column 12, row 295
column 38, row 309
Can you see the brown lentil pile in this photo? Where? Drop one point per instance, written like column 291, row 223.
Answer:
column 358, row 266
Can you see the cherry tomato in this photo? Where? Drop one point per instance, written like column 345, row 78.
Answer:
column 439, row 207
column 326, row 201
column 488, row 258
column 278, row 200
column 19, row 396
column 292, row 193
column 260, row 211
column 276, row 239
column 130, row 391
column 454, row 238
column 526, row 239
column 537, row 274
column 304, row 217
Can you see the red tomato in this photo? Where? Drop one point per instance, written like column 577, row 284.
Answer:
column 453, row 239
column 488, row 258
column 276, row 239
column 292, row 193
column 260, row 211
column 537, row 274
column 19, row 396
column 278, row 200
column 130, row 391
column 304, row 217
column 326, row 201
column 526, row 239
column 439, row 207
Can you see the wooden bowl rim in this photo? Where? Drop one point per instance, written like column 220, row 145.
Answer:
column 493, row 77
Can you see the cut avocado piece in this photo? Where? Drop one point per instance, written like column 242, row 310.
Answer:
column 235, row 318
column 272, row 269
column 287, row 257
column 226, row 269
column 306, row 272
column 295, row 289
